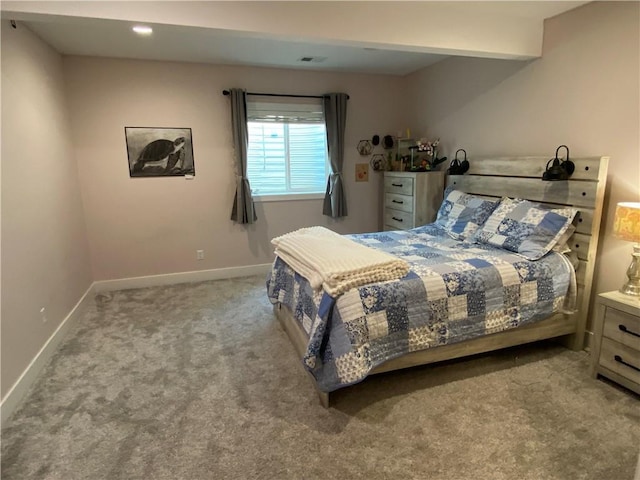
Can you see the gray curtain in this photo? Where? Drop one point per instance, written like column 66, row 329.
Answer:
column 243, row 208
column 335, row 115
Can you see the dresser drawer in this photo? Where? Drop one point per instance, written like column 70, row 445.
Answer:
column 398, row 220
column 622, row 328
column 411, row 199
column 620, row 359
column 398, row 185
column 398, row 202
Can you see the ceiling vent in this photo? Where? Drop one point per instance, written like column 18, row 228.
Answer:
column 312, row 59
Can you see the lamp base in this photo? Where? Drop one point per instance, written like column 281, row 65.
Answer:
column 629, row 289
column 632, row 287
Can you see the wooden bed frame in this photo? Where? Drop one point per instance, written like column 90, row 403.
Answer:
column 514, row 177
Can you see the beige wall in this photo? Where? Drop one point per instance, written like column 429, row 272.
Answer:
column 147, row 226
column 583, row 92
column 45, row 261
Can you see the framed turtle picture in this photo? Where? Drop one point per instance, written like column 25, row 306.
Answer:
column 159, row 151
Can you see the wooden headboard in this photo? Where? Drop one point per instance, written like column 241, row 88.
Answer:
column 521, row 177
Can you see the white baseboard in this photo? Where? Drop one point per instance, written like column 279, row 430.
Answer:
column 17, row 392
column 182, row 277
column 12, row 399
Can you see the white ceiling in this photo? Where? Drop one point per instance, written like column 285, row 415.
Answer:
column 76, row 35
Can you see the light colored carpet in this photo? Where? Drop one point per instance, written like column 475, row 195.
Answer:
column 198, row 381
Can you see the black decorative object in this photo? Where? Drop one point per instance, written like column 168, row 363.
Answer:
column 159, row 152
column 457, row 167
column 375, row 140
column 388, row 142
column 559, row 169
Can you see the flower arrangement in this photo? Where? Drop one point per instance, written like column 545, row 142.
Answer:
column 430, row 151
column 427, row 147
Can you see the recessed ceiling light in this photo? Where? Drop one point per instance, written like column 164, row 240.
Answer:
column 143, row 30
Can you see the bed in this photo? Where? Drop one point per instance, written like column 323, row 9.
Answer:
column 415, row 321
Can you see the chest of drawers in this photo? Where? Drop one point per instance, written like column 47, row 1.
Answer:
column 411, row 199
column 616, row 352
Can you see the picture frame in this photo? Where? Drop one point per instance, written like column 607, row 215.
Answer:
column 159, row 151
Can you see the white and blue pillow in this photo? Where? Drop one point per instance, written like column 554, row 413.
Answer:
column 525, row 228
column 461, row 214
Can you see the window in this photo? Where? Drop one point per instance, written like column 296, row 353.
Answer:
column 287, row 152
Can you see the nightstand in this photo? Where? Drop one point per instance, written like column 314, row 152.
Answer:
column 616, row 352
column 411, row 199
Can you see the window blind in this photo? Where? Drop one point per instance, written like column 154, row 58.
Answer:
column 264, row 109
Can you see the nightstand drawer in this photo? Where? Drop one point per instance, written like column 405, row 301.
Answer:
column 398, row 202
column 398, row 185
column 620, row 359
column 622, row 328
column 398, row 220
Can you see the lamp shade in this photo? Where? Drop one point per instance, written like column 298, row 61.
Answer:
column 626, row 223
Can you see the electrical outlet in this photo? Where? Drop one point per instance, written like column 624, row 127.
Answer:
column 199, row 254
column 43, row 315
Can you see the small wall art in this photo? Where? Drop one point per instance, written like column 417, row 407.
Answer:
column 362, row 172
column 159, row 151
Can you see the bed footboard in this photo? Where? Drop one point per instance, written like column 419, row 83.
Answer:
column 299, row 339
column 559, row 325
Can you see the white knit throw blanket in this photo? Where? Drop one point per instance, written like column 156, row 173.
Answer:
column 333, row 262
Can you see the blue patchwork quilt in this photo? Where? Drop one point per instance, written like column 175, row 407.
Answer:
column 455, row 291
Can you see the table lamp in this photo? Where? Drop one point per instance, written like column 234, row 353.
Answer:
column 626, row 225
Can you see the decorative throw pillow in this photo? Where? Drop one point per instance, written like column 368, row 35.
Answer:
column 525, row 228
column 461, row 214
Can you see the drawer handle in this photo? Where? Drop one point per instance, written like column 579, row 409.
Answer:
column 396, row 184
column 397, row 219
column 626, row 330
column 397, row 201
column 619, row 359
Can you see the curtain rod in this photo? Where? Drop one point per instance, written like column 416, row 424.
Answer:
column 227, row 92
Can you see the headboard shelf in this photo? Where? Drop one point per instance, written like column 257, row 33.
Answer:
column 575, row 193
column 587, row 168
